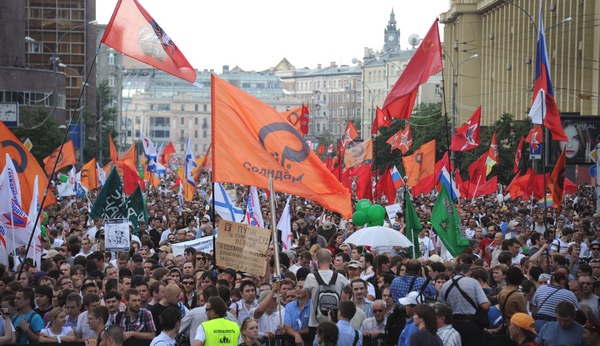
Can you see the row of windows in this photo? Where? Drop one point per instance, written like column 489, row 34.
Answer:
column 196, row 107
column 182, row 147
column 331, row 127
column 183, row 136
column 31, row 98
column 336, row 83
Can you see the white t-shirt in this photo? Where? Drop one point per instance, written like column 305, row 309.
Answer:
column 269, row 324
column 312, row 285
column 560, row 246
column 426, row 245
column 64, row 332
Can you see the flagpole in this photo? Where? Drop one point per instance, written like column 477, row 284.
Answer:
column 476, row 187
column 275, row 243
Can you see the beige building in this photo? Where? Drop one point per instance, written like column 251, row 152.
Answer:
column 504, row 35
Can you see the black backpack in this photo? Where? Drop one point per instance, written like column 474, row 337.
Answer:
column 327, row 297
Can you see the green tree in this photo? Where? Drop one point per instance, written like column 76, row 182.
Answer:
column 37, row 124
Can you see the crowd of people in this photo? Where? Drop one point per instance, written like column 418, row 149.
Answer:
column 530, row 276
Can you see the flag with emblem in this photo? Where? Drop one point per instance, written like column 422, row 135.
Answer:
column 359, row 154
column 252, row 140
column 349, row 135
column 67, row 158
column 493, row 157
column 109, row 200
column 535, row 137
column 467, row 136
column 420, row 165
column 224, row 206
column 518, row 154
column 253, row 211
column 445, row 221
column 381, row 120
column 401, row 140
column 133, row 32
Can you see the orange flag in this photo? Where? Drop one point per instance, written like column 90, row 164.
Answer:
column 66, row 159
column 188, row 189
column 89, row 175
column 359, row 154
column 164, row 157
column 401, row 140
column 421, row 164
column 131, row 154
column 349, row 135
column 251, row 140
column 133, row 32
column 297, row 117
column 426, row 62
column 557, row 181
column 26, row 165
column 114, row 155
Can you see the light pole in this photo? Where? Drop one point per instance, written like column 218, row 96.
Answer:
column 80, row 109
column 453, row 108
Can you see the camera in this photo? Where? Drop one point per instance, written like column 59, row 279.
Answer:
column 333, row 313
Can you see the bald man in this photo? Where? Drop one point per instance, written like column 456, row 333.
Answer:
column 170, row 298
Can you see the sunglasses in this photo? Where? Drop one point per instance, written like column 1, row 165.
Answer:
column 188, row 282
column 200, row 259
column 377, row 310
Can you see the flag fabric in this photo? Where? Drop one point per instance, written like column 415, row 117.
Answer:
column 445, row 221
column 386, row 187
column 131, row 180
column 285, row 226
column 67, row 157
column 298, row 117
column 350, row 134
column 321, row 149
column 188, row 190
column 535, row 137
column 167, row 151
column 420, row 164
column 26, row 165
column 101, row 174
column 413, row 226
column 485, row 187
column 364, row 184
column 467, row 137
column 493, row 156
column 180, row 195
column 190, row 164
column 89, row 175
column 224, row 206
column 253, row 212
column 543, row 106
column 129, row 156
column 381, row 120
column 359, row 154
column 396, row 177
column 518, row 154
column 426, row 62
column 478, row 168
column 109, row 200
column 35, row 250
column 450, row 184
column 149, row 151
column 133, row 32
column 134, row 209
column 270, row 145
column 557, row 180
column 114, row 155
column 401, row 140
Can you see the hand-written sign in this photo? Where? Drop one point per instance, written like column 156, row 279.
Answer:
column 242, row 247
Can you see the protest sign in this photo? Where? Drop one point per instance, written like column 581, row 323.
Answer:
column 242, row 247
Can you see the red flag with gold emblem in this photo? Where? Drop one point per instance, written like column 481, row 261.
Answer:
column 401, row 140
column 251, row 140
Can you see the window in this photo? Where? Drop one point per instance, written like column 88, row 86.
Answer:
column 318, row 127
column 111, row 58
column 111, row 81
column 182, row 134
column 204, row 123
column 196, row 108
column 195, row 133
column 196, row 147
column 181, row 147
column 182, row 121
column 204, row 134
column 196, row 120
column 138, row 120
column 182, row 108
column 205, row 108
column 438, row 92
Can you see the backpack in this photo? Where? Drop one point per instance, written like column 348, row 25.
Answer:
column 327, row 297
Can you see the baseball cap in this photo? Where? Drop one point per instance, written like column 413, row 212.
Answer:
column 50, row 254
column 136, row 258
column 354, row 264
column 164, row 248
column 327, row 225
column 524, row 321
column 413, row 298
column 435, row 258
column 264, row 295
column 206, row 217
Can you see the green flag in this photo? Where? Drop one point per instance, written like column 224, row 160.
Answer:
column 413, row 226
column 110, row 198
column 134, row 209
column 445, row 220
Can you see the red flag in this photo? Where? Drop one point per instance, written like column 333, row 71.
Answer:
column 478, row 169
column 251, row 139
column 364, row 185
column 485, row 188
column 321, row 149
column 426, row 62
column 518, row 155
column 570, row 187
column 114, row 155
column 133, row 32
column 401, row 140
column 169, row 149
column 493, row 155
column 349, row 135
column 131, row 179
column 467, row 136
column 381, row 119
column 304, row 120
column 298, row 118
column 557, row 180
column 385, row 186
column 535, row 137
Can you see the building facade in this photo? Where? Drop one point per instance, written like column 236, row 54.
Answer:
column 504, row 35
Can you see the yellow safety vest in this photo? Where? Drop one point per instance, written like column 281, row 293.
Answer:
column 221, row 332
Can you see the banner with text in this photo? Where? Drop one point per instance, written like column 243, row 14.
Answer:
column 203, row 244
column 242, row 247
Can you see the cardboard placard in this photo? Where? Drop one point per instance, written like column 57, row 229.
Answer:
column 242, row 247
column 116, row 235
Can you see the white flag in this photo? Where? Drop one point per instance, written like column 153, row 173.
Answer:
column 285, row 226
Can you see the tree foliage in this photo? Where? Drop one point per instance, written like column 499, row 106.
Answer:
column 37, row 124
column 105, row 116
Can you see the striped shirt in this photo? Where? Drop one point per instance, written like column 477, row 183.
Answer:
column 449, row 336
column 547, row 297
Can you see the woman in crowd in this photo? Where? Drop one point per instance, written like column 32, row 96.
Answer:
column 56, row 332
column 426, row 320
column 335, row 241
column 249, row 332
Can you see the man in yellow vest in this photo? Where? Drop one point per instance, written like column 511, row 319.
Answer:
column 217, row 330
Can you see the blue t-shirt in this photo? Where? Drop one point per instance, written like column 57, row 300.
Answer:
column 36, row 325
column 409, row 329
column 495, row 317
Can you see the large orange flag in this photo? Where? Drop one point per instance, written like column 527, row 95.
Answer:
column 358, row 154
column 114, row 155
column 426, row 62
column 557, row 181
column 26, row 165
column 133, row 32
column 252, row 140
column 89, row 175
column 421, row 164
column 66, row 159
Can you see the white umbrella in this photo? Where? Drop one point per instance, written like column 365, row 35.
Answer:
column 379, row 236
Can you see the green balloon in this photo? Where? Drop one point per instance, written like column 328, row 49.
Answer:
column 63, row 179
column 44, row 219
column 376, row 213
column 359, row 218
column 363, row 205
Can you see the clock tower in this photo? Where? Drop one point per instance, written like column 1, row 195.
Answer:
column 391, row 35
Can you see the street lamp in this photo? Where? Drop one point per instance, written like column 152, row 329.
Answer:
column 454, row 74
column 80, row 109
